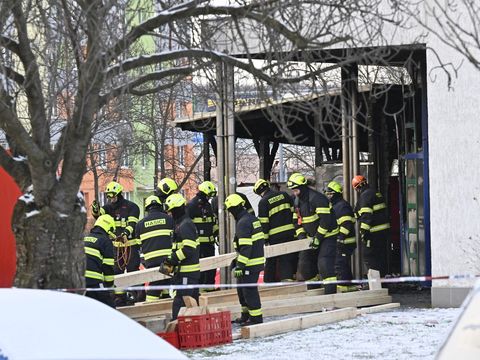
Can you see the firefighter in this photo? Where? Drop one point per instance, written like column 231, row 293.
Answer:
column 317, row 222
column 248, row 244
column 165, row 188
column 275, row 212
column 126, row 247
column 200, row 211
column 155, row 232
column 346, row 242
column 184, row 259
column 99, row 252
column 248, row 205
column 372, row 215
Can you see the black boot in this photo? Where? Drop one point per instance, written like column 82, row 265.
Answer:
column 254, row 320
column 242, row 319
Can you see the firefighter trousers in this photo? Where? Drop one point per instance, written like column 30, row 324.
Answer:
column 249, row 297
column 375, row 252
column 157, row 293
column 180, row 279
column 343, row 262
column 105, row 297
column 280, row 268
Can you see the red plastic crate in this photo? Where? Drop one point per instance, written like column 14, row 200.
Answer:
column 170, row 337
column 204, row 330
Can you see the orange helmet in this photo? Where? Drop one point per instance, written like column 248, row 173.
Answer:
column 358, row 181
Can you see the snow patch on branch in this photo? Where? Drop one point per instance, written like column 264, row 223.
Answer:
column 83, row 210
column 62, row 215
column 20, row 158
column 80, row 196
column 32, row 213
column 29, row 189
column 27, row 198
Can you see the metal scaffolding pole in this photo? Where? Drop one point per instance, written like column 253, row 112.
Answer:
column 230, row 143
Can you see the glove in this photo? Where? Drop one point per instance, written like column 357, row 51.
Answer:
column 166, row 267
column 315, row 243
column 238, row 272
column 95, row 207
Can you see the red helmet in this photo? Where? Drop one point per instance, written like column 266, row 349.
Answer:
column 358, row 181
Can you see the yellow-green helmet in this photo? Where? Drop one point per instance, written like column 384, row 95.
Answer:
column 152, row 200
column 207, row 188
column 167, row 186
column 113, row 188
column 106, row 222
column 174, row 201
column 260, row 186
column 234, row 200
column 295, row 180
column 334, row 186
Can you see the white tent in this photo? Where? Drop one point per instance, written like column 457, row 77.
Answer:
column 42, row 324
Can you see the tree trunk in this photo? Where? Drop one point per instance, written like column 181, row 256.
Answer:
column 50, row 252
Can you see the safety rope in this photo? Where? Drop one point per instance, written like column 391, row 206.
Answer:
column 123, row 254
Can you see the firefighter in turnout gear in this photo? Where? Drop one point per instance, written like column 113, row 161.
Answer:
column 99, row 253
column 201, row 213
column 126, row 247
column 155, row 232
column 248, row 244
column 372, row 215
column 247, row 205
column 275, row 212
column 346, row 241
column 184, row 260
column 165, row 188
column 319, row 224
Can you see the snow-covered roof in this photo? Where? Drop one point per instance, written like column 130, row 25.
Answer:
column 42, row 324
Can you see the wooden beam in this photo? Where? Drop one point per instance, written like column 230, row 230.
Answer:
column 374, row 279
column 378, row 308
column 308, row 304
column 297, row 323
column 208, row 263
column 265, row 292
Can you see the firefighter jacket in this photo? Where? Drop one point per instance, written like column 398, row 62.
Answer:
column 126, row 215
column 201, row 213
column 345, row 220
column 185, row 253
column 99, row 253
column 371, row 211
column 315, row 215
column 248, row 242
column 275, row 212
column 155, row 232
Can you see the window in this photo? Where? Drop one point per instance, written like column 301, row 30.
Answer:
column 181, row 155
column 102, row 157
column 125, row 158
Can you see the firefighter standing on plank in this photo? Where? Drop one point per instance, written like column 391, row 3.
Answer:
column 184, row 260
column 372, row 215
column 319, row 223
column 126, row 247
column 275, row 212
column 346, row 242
column 248, row 244
column 201, row 213
column 155, row 232
column 99, row 253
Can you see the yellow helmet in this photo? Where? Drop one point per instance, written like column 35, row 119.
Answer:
column 295, row 180
column 106, row 222
column 334, row 186
column 167, row 186
column 113, row 188
column 174, row 201
column 207, row 188
column 234, row 200
column 152, row 200
column 260, row 186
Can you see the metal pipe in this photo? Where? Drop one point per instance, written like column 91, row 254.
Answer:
column 230, row 143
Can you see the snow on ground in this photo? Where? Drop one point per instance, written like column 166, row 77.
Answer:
column 406, row 333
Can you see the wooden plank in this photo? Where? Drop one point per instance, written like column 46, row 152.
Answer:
column 148, row 309
column 189, row 301
column 308, row 304
column 213, row 299
column 208, row 263
column 154, row 324
column 297, row 323
column 378, row 308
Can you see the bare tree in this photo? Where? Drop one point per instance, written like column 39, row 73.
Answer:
column 79, row 36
